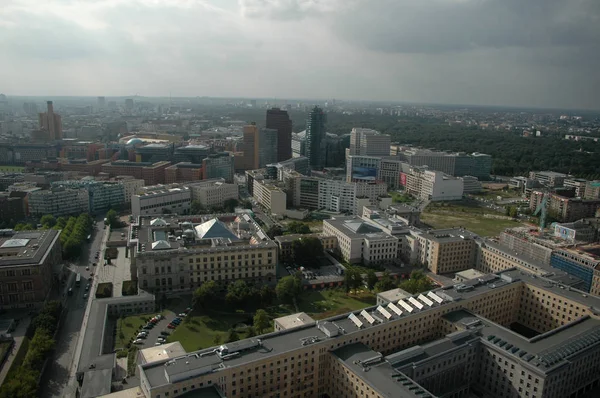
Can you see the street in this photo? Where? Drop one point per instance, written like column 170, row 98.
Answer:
column 56, row 379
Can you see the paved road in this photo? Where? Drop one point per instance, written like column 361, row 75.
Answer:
column 56, row 379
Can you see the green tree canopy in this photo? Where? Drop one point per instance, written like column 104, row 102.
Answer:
column 296, row 227
column 274, row 230
column 385, row 283
column 232, row 336
column 205, row 294
column 352, row 279
column 307, row 250
column 261, row 321
column 371, row 279
column 289, row 288
column 48, row 221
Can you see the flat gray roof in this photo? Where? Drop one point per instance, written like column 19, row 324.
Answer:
column 27, row 247
column 276, row 343
column 91, row 351
column 96, row 383
column 380, row 376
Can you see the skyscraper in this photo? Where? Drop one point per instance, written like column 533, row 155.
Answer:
column 128, row 104
column 101, row 103
column 315, row 134
column 51, row 123
column 250, row 146
column 267, row 146
column 280, row 120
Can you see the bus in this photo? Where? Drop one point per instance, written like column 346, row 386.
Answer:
column 78, row 280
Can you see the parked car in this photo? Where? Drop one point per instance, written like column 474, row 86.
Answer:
column 153, row 321
column 171, row 326
column 157, row 344
column 176, row 320
column 159, row 317
column 165, row 333
column 141, row 336
column 138, row 341
column 147, row 327
column 85, row 296
column 182, row 315
column 161, row 339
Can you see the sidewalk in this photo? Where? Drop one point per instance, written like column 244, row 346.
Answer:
column 18, row 335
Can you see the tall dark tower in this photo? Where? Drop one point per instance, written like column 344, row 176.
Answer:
column 279, row 120
column 315, row 134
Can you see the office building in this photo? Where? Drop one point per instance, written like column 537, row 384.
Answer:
column 250, row 145
column 362, row 242
column 279, row 120
column 585, row 230
column 131, row 186
column 389, row 171
column 276, row 170
column 580, row 263
column 151, row 173
column 12, row 208
column 51, row 123
column 592, row 190
column 267, row 147
column 102, row 195
column 471, row 184
column 427, row 184
column 58, row 201
column 455, row 164
column 7, row 179
column 270, row 196
column 179, row 254
column 184, row 172
column 191, row 153
column 442, row 251
column 368, row 142
column 214, row 192
column 362, row 168
column 27, row 262
column 348, row 197
column 550, row 179
column 219, row 165
column 161, row 199
column 447, row 342
column 129, row 104
column 299, row 144
column 101, row 102
column 577, row 184
column 315, row 135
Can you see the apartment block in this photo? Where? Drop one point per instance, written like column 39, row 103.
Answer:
column 161, row 199
column 592, row 190
column 443, row 251
column 270, row 196
column 102, row 195
column 179, row 254
column 563, row 208
column 577, row 184
column 549, row 178
column 27, row 260
column 219, row 165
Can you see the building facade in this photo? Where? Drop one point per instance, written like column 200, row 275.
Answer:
column 432, row 185
column 368, row 142
column 219, row 165
column 213, row 193
column 51, row 123
column 267, row 147
column 315, row 136
column 279, row 120
column 160, row 199
column 59, row 201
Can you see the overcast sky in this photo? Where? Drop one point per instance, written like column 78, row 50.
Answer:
column 543, row 53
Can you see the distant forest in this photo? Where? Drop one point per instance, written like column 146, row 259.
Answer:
column 512, row 154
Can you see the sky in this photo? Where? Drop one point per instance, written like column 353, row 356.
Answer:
column 539, row 53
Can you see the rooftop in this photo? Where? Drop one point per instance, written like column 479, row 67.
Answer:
column 165, row 351
column 394, row 295
column 294, row 320
column 449, row 235
column 27, row 247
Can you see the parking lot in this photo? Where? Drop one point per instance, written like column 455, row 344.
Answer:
column 155, row 332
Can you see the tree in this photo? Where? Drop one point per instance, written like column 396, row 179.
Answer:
column 48, row 221
column 385, row 283
column 371, row 279
column 261, row 321
column 296, row 227
column 246, row 204
column 307, row 250
column 274, row 230
column 206, row 293
column 217, row 339
column 513, row 212
column 23, row 384
column 112, row 219
column 39, row 347
column 232, row 336
column 417, row 283
column 238, row 293
column 229, row 205
column 266, row 295
column 288, row 288
column 250, row 331
column 352, row 279
column 197, row 208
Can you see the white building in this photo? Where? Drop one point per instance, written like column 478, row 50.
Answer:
column 471, row 184
column 213, row 193
column 131, row 186
column 59, row 201
column 270, row 196
column 361, row 241
column 158, row 199
column 340, row 196
column 433, row 185
column 369, row 142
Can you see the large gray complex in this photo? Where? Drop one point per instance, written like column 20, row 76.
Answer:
column 510, row 334
column 455, row 164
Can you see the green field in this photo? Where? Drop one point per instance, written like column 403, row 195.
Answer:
column 493, row 195
column 200, row 330
column 12, row 169
column 468, row 216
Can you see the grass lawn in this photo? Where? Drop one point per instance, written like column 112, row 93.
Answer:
column 493, row 195
column 201, row 330
column 18, row 360
column 127, row 328
column 474, row 222
column 12, row 169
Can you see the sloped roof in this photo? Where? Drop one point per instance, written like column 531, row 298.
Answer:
column 360, row 227
column 158, row 222
column 160, row 245
column 214, row 229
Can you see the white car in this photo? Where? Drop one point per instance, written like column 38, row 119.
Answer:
column 138, row 341
column 141, row 336
column 157, row 344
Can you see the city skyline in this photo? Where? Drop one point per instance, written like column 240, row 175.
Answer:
column 461, row 57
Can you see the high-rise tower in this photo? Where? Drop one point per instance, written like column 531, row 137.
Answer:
column 315, row 134
column 51, row 122
column 279, row 120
